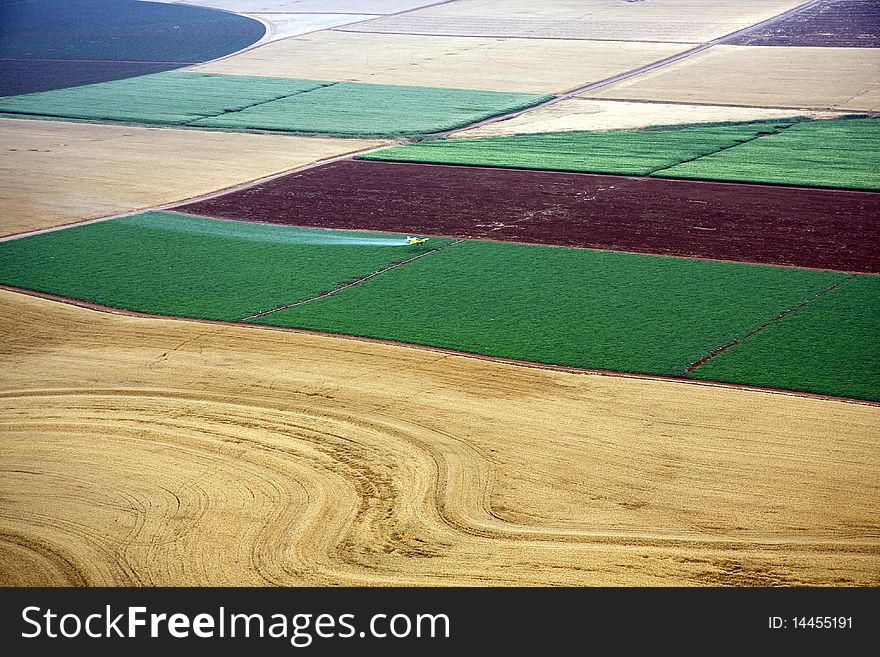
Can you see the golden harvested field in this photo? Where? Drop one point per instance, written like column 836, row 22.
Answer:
column 583, row 114
column 765, row 76
column 56, row 173
column 147, row 451
column 527, row 65
column 676, row 20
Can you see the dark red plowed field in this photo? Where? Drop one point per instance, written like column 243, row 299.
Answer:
column 754, row 223
column 831, row 23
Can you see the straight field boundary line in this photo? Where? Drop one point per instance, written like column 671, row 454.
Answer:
column 637, row 71
column 345, row 286
column 781, row 316
column 342, row 28
column 324, row 85
column 758, row 136
column 194, row 199
column 568, row 369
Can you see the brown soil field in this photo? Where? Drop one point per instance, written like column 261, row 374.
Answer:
column 153, row 452
column 582, row 114
column 837, row 23
column 755, row 223
column 762, row 76
column 56, row 173
column 527, row 65
column 678, row 21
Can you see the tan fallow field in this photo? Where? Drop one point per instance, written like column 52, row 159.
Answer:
column 153, row 451
column 764, row 76
column 693, row 21
column 57, row 172
column 583, row 114
column 495, row 64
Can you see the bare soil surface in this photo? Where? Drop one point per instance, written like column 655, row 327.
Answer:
column 834, row 23
column 825, row 229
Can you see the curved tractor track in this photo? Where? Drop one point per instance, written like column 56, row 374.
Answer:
column 277, row 458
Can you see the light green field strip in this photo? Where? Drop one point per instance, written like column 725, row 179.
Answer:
column 840, row 153
column 264, row 103
column 628, row 152
column 350, row 108
column 171, row 98
column 832, row 346
column 173, row 265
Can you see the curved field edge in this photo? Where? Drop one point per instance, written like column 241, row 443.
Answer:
column 577, row 308
column 834, row 153
column 315, row 461
column 93, row 41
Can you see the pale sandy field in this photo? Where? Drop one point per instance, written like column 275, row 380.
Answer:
column 55, row 173
column 529, row 65
column 308, row 6
column 583, row 114
column 693, row 21
column 141, row 451
column 764, row 76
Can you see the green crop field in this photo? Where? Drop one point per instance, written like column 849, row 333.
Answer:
column 171, row 98
column 174, row 265
column 841, row 153
column 831, row 346
column 264, row 103
column 628, row 152
column 583, row 308
column 577, row 307
column 350, row 108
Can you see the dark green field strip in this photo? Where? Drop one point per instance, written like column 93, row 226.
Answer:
column 350, row 108
column 581, row 308
column 171, row 98
column 263, row 103
column 575, row 307
column 830, row 346
column 628, row 152
column 840, row 153
column 173, row 265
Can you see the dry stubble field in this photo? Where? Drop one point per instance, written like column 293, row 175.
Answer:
column 144, row 451
column 97, row 170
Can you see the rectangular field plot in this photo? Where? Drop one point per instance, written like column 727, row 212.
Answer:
column 835, row 23
column 265, row 103
column 589, row 309
column 173, row 265
column 57, row 172
column 636, row 152
column 828, row 229
column 841, row 153
column 671, row 20
column 761, row 76
column 170, row 98
column 522, row 65
column 830, row 346
column 350, row 108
